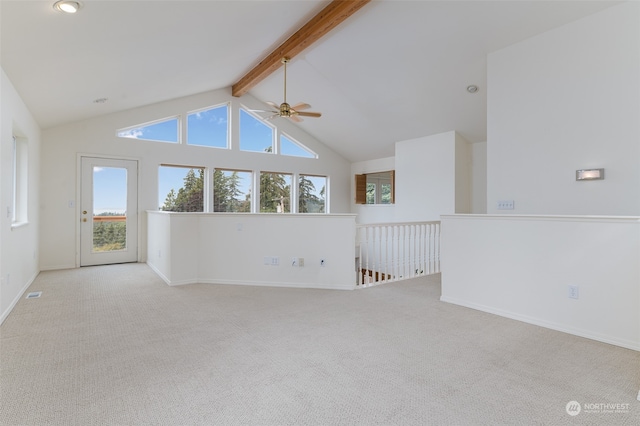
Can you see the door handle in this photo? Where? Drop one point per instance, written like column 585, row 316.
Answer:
column 84, row 212
column 84, row 219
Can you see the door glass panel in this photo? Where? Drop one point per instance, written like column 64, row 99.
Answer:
column 109, row 209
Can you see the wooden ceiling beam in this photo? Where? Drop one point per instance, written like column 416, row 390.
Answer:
column 330, row 17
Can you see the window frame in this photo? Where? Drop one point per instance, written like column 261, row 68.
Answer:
column 209, row 108
column 179, row 125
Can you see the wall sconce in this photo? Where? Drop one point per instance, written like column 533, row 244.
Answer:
column 590, row 174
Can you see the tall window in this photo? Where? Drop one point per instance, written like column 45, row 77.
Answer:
column 275, row 192
column 181, row 188
column 209, row 127
column 20, row 180
column 162, row 131
column 312, row 194
column 231, row 191
column 255, row 134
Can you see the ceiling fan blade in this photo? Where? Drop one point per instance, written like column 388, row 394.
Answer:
column 272, row 116
column 301, row 106
column 273, row 104
column 294, row 117
column 263, row 110
column 309, row 114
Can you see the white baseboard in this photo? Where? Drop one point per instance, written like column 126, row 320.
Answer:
column 57, row 267
column 628, row 344
column 13, row 304
column 318, row 286
column 160, row 274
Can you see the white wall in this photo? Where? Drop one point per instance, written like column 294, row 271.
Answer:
column 97, row 137
column 430, row 180
column 230, row 248
column 520, row 267
column 566, row 100
column 18, row 245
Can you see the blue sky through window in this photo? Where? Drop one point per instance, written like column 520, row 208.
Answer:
column 109, row 190
column 254, row 134
column 290, row 147
column 164, row 131
column 208, row 127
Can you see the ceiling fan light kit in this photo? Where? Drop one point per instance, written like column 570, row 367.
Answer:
column 287, row 111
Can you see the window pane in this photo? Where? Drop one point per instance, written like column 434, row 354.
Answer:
column 163, row 131
column 254, row 134
column 208, row 127
column 294, row 148
column 371, row 193
column 231, row 191
column 109, row 209
column 385, row 193
column 275, row 193
column 181, row 188
column 19, row 177
column 312, row 194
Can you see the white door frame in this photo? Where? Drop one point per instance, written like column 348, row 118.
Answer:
column 78, row 203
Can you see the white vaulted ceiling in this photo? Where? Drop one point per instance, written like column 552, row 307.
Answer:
column 395, row 70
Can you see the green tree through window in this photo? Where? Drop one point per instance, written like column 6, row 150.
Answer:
column 189, row 198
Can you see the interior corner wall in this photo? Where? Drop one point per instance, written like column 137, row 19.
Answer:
column 426, row 177
column 97, row 137
column 479, row 178
column 463, row 175
column 565, row 100
column 18, row 244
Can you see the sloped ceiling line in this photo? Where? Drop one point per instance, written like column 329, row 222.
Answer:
column 330, row 17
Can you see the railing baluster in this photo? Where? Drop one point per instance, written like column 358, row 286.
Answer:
column 396, row 251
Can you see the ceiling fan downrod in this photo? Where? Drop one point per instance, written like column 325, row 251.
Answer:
column 285, row 108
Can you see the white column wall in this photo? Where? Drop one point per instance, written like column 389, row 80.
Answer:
column 432, row 177
column 565, row 100
column 97, row 137
column 18, row 245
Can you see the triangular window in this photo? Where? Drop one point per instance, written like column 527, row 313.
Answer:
column 288, row 146
column 162, row 131
column 255, row 135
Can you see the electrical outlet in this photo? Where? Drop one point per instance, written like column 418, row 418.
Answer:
column 297, row 262
column 574, row 292
column 505, row 205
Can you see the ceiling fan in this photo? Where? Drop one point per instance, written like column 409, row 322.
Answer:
column 284, row 109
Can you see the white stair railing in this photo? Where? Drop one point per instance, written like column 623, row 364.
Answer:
column 387, row 252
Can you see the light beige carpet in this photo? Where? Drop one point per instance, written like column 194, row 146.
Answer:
column 114, row 345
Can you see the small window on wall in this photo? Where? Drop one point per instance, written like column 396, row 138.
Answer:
column 209, row 127
column 312, row 192
column 231, row 190
column 19, row 180
column 181, row 188
column 293, row 148
column 160, row 131
column 275, row 192
column 375, row 188
column 255, row 135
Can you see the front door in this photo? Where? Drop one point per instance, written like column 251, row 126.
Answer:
column 109, row 211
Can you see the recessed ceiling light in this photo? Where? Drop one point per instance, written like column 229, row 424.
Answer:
column 472, row 88
column 67, row 6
